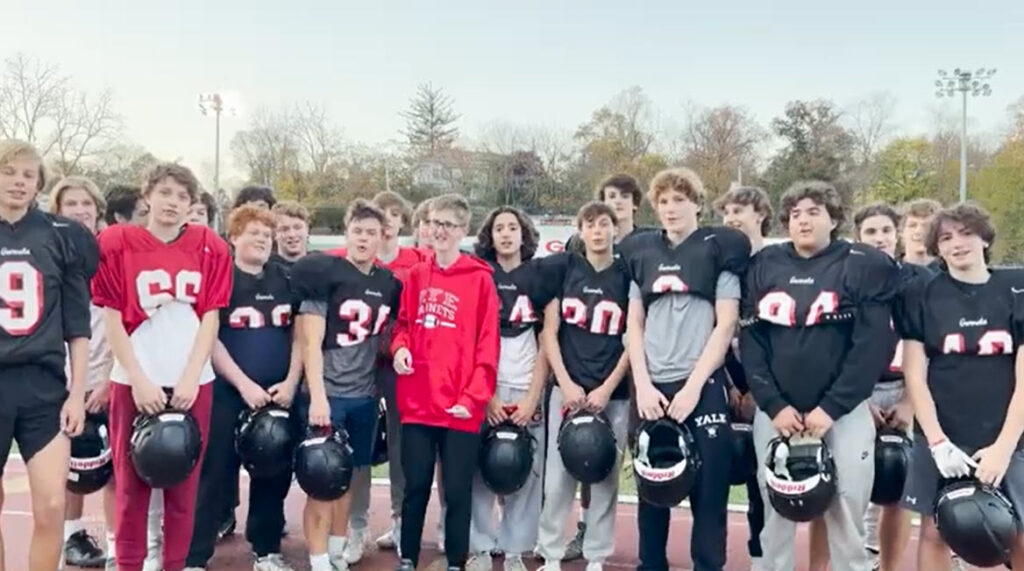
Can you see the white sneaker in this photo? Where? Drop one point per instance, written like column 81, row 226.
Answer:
column 271, row 562
column 195, row 569
column 480, row 562
column 551, row 566
column 390, row 540
column 595, row 566
column 515, row 563
column 354, row 547
column 154, row 559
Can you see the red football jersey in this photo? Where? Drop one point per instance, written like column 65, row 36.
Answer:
column 162, row 291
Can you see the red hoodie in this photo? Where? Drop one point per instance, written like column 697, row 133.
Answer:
column 448, row 319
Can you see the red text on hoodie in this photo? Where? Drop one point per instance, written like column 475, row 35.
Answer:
column 448, row 320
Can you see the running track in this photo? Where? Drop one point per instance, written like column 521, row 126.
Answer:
column 233, row 554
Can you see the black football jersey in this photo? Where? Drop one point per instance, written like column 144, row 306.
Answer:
column 593, row 307
column 256, row 326
column 46, row 262
column 802, row 314
column 692, row 266
column 521, row 293
column 909, row 274
column 359, row 306
column 971, row 333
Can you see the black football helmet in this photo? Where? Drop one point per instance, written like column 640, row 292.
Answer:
column 977, row 522
column 506, row 457
column 665, row 462
column 892, row 458
column 165, row 447
column 744, row 457
column 323, row 463
column 587, row 445
column 800, row 476
column 265, row 440
column 380, row 441
column 90, row 467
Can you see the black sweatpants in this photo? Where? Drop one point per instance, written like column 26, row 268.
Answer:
column 221, row 466
column 421, row 446
column 755, row 516
column 709, row 498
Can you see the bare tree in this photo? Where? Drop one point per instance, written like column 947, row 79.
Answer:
column 320, row 142
column 1016, row 113
column 721, row 142
column 430, row 121
column 42, row 106
column 268, row 147
column 870, row 123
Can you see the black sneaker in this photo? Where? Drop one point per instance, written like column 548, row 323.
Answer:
column 227, row 527
column 405, row 565
column 82, row 550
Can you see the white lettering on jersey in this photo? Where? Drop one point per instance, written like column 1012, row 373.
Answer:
column 156, row 288
column 669, row 283
column 21, row 290
column 522, row 311
column 358, row 314
column 992, row 342
column 607, row 319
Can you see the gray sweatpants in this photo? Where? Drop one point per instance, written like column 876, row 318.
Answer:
column 517, row 530
column 560, row 491
column 361, row 482
column 851, row 441
column 884, row 396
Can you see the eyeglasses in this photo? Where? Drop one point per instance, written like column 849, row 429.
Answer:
column 444, row 225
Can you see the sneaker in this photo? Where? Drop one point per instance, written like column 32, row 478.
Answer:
column 271, row 562
column 595, row 566
column 550, row 566
column 227, row 527
column 82, row 550
column 390, row 540
column 574, row 550
column 154, row 559
column 480, row 562
column 515, row 563
column 195, row 569
column 354, row 547
column 405, row 565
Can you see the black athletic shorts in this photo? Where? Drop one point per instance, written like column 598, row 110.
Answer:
column 31, row 399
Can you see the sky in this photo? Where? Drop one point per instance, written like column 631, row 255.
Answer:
column 540, row 63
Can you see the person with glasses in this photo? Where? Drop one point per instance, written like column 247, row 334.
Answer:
column 445, row 350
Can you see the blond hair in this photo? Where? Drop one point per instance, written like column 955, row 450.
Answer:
column 679, row 179
column 13, row 149
column 292, row 209
column 454, row 203
column 71, row 182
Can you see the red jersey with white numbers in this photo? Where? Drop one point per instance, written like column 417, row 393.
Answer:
column 162, row 291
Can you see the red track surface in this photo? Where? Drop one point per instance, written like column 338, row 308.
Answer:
column 233, row 553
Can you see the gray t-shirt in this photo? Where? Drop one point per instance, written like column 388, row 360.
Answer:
column 349, row 372
column 677, row 328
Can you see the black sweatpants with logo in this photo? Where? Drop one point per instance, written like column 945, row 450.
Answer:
column 709, row 498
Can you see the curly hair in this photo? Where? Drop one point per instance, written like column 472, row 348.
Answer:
column 819, row 192
column 485, row 238
column 972, row 217
column 241, row 217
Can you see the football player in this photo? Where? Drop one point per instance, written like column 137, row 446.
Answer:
column 399, row 260
column 445, row 351
column 963, row 330
column 162, row 287
column 79, row 199
column 421, row 225
column 292, row 232
column 747, row 209
column 125, row 206
column 508, row 241
column 684, row 304
column 46, row 262
column 816, row 339
column 346, row 305
column 204, row 211
column 917, row 216
column 258, row 196
column 257, row 363
column 584, row 325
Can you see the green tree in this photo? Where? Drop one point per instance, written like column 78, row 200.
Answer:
column 430, row 121
column 999, row 186
column 906, row 169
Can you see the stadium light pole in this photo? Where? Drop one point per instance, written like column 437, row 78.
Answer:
column 966, row 82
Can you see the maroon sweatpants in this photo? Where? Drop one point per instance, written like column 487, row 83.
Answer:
column 132, row 494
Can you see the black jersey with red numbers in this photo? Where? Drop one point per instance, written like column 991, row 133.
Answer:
column 256, row 327
column 971, row 333
column 46, row 262
column 909, row 275
column 522, row 295
column 593, row 308
column 692, row 266
column 817, row 330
